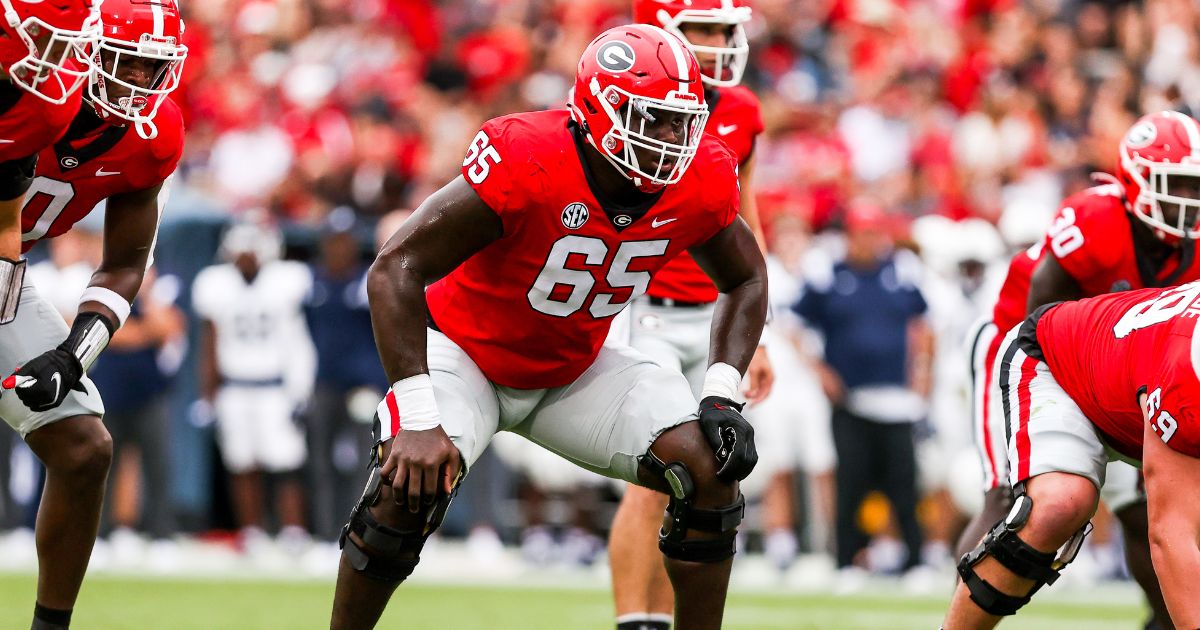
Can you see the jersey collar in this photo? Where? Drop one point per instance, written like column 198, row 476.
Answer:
column 612, row 208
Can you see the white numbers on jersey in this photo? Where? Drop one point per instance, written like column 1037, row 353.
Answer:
column 1157, row 310
column 480, row 151
column 594, row 252
column 1165, row 424
column 55, row 195
column 1065, row 236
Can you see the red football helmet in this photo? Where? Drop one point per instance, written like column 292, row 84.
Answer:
column 133, row 31
column 45, row 43
column 628, row 78
column 1160, row 170
column 730, row 59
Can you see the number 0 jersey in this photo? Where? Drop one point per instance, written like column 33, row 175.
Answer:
column 532, row 308
column 1092, row 239
column 1106, row 351
column 93, row 162
column 737, row 121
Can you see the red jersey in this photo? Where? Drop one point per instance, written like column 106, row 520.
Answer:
column 1106, row 351
column 1091, row 239
column 29, row 124
column 533, row 308
column 736, row 120
column 90, row 164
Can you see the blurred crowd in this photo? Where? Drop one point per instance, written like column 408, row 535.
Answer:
column 958, row 125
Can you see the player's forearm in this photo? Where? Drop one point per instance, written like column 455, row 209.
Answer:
column 738, row 323
column 1175, row 551
column 396, row 294
column 10, row 228
column 113, row 285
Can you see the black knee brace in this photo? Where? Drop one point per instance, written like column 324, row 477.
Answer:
column 386, row 554
column 1003, row 544
column 683, row 516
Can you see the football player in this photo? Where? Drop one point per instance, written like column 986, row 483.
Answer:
column 1082, row 383
column 49, row 398
column 671, row 322
column 43, row 65
column 257, row 365
column 558, row 221
column 1136, row 231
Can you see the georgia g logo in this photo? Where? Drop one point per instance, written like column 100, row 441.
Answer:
column 615, row 56
column 1141, row 135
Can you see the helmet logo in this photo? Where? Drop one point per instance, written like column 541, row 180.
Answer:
column 1141, row 135
column 574, row 215
column 615, row 56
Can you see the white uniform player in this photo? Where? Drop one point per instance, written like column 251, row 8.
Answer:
column 264, row 358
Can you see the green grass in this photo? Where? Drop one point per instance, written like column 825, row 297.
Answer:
column 118, row 603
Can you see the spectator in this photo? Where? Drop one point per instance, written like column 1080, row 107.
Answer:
column 256, row 364
column 349, row 380
column 875, row 372
column 134, row 376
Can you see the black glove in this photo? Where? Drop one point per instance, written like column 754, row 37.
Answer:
column 731, row 437
column 44, row 382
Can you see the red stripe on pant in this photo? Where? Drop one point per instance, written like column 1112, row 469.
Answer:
column 1028, row 371
column 393, row 411
column 985, row 413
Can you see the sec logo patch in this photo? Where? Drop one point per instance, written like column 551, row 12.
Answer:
column 574, row 215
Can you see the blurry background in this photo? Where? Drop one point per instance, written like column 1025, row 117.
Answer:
column 965, row 121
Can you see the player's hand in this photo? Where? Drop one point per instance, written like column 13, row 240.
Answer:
column 44, row 382
column 760, row 377
column 831, row 383
column 421, row 465
column 731, row 438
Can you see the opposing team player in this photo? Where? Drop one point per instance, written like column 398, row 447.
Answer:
column 558, row 221
column 43, row 64
column 1082, row 383
column 257, row 365
column 54, row 406
column 671, row 322
column 1124, row 235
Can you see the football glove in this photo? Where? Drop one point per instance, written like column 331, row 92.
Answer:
column 44, row 382
column 731, row 437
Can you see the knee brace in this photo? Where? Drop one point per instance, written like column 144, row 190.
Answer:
column 386, row 554
column 1003, row 544
column 683, row 516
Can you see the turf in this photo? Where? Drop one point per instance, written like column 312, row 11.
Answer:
column 118, row 603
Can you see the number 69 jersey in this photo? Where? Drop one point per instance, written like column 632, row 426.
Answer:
column 1106, row 351
column 92, row 162
column 532, row 308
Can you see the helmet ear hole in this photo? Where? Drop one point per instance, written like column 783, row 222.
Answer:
column 590, row 108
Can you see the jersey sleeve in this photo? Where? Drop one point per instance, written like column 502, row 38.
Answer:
column 1175, row 402
column 1081, row 237
column 721, row 186
column 496, row 166
column 205, row 292
column 167, row 147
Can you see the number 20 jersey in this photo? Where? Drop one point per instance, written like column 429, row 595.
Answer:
column 1091, row 238
column 1106, row 351
column 532, row 309
column 88, row 166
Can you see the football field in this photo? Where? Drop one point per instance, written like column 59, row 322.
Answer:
column 110, row 602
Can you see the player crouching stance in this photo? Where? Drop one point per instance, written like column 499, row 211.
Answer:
column 49, row 399
column 1082, row 383
column 557, row 222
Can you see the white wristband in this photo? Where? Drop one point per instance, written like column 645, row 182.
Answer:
column 110, row 299
column 722, row 380
column 414, row 404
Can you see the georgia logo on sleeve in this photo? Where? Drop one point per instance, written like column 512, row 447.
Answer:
column 615, row 56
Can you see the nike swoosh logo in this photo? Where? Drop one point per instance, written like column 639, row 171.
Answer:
column 656, row 223
column 103, row 173
column 725, row 130
column 57, row 378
